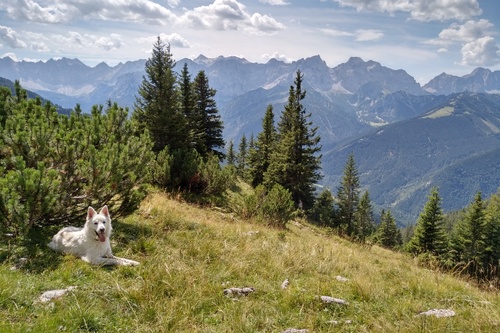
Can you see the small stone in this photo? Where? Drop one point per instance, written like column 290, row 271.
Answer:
column 51, row 294
column 329, row 300
column 439, row 313
column 238, row 291
column 341, row 278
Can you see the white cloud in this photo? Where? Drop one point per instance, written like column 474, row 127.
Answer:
column 478, row 47
column 335, row 32
column 278, row 56
column 10, row 55
column 39, row 46
column 175, row 40
column 173, row 3
column 363, row 35
column 230, row 15
column 420, row 10
column 63, row 11
column 10, row 37
column 467, row 32
column 275, row 2
column 110, row 43
column 360, row 35
column 481, row 52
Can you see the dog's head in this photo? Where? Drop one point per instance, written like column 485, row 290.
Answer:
column 100, row 224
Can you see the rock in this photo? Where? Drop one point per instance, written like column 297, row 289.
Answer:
column 20, row 264
column 439, row 313
column 51, row 294
column 341, row 278
column 239, row 291
column 329, row 300
column 336, row 322
column 295, row 330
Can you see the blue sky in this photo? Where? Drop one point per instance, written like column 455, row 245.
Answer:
column 423, row 37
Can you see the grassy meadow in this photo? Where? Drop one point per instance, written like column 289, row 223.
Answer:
column 189, row 255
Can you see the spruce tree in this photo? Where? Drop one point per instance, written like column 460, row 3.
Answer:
column 295, row 163
column 364, row 225
column 260, row 155
column 187, row 106
column 348, row 197
column 492, row 230
column 323, row 211
column 242, row 157
column 388, row 234
column 157, row 107
column 429, row 236
column 468, row 240
column 208, row 137
column 230, row 156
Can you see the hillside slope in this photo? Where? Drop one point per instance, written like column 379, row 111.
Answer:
column 454, row 146
column 190, row 255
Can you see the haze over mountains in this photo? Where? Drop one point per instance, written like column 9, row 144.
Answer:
column 405, row 137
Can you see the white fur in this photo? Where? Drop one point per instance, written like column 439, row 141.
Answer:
column 91, row 243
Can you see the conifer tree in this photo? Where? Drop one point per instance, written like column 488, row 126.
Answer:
column 429, row 236
column 187, row 105
column 157, row 107
column 230, row 156
column 348, row 197
column 260, row 155
column 55, row 166
column 323, row 211
column 295, row 163
column 468, row 240
column 242, row 157
column 208, row 137
column 364, row 225
column 388, row 234
column 492, row 230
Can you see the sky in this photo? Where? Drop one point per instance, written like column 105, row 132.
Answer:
column 423, row 37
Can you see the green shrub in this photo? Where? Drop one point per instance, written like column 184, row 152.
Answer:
column 55, row 166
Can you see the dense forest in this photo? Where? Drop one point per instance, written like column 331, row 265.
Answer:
column 54, row 165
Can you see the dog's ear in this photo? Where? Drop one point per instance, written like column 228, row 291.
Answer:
column 91, row 212
column 104, row 211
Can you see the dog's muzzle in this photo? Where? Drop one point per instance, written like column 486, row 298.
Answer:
column 101, row 235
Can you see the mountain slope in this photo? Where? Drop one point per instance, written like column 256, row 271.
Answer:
column 189, row 256
column 400, row 162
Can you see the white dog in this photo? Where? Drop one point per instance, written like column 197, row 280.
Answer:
column 91, row 243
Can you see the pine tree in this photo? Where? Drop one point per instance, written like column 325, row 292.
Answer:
column 55, row 166
column 260, row 155
column 429, row 236
column 468, row 240
column 323, row 211
column 388, row 234
column 208, row 137
column 187, row 106
column 242, row 157
column 492, row 230
column 157, row 107
column 295, row 163
column 348, row 197
column 230, row 156
column 364, row 225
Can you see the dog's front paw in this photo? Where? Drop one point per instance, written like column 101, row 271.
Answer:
column 129, row 262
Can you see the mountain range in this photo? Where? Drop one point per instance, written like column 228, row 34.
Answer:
column 405, row 137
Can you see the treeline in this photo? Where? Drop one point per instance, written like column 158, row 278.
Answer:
column 468, row 242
